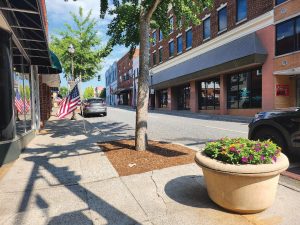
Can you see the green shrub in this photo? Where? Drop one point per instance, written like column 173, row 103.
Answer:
column 243, row 151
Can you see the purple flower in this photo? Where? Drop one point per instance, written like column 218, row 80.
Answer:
column 257, row 149
column 232, row 149
column 244, row 159
column 262, row 158
column 274, row 158
column 251, row 157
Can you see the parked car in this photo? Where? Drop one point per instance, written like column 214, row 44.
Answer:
column 95, row 106
column 280, row 126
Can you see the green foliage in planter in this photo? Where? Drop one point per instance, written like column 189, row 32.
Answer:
column 243, row 151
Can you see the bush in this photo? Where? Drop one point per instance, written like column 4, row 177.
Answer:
column 243, row 151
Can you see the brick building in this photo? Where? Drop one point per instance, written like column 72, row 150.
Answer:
column 229, row 64
column 126, row 75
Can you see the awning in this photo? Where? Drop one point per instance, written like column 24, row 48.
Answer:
column 243, row 52
column 288, row 72
column 55, row 66
column 28, row 24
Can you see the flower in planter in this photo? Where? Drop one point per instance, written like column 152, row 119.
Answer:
column 243, row 151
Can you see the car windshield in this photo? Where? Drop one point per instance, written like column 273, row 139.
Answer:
column 94, row 100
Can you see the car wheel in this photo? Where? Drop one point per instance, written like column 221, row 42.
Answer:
column 275, row 136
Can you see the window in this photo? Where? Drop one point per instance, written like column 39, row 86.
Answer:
column 188, row 38
column 171, row 49
column 160, row 52
column 154, row 58
column 209, row 94
column 154, row 38
column 241, row 13
column 280, row 1
column 206, row 28
column 171, row 24
column 288, row 36
column 163, row 97
column 179, row 44
column 160, row 35
column 222, row 19
column 244, row 90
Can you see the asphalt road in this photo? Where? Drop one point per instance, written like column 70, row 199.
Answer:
column 193, row 132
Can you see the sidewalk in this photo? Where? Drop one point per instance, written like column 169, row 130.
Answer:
column 64, row 178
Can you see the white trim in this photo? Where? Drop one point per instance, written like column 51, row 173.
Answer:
column 188, row 48
column 205, row 17
column 153, row 31
column 171, row 40
column 171, row 15
column 241, row 21
column 189, row 28
column 154, row 51
column 222, row 6
column 179, row 35
column 222, row 31
column 256, row 24
column 206, row 39
column 160, row 47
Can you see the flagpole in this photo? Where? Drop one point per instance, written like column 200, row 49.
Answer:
column 80, row 94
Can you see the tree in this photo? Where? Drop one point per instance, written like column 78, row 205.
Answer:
column 103, row 93
column 131, row 27
column 83, row 36
column 63, row 91
column 88, row 92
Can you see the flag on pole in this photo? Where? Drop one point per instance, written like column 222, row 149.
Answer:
column 27, row 105
column 19, row 102
column 70, row 103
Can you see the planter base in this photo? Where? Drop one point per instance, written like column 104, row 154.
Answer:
column 241, row 188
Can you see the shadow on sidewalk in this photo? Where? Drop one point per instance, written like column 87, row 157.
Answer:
column 41, row 154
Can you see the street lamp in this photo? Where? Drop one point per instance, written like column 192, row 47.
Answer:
column 71, row 50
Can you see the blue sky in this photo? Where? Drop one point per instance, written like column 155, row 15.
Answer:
column 58, row 15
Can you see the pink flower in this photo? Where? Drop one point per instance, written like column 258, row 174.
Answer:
column 257, row 149
column 251, row 157
column 274, row 158
column 262, row 158
column 244, row 159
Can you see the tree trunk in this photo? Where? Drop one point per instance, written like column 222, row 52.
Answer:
column 141, row 139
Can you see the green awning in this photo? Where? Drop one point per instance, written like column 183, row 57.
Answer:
column 55, row 68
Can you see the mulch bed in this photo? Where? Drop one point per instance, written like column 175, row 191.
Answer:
column 127, row 161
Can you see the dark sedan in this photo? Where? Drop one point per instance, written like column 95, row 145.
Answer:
column 282, row 127
column 93, row 106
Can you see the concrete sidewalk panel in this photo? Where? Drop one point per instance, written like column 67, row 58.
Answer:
column 96, row 167
column 111, row 202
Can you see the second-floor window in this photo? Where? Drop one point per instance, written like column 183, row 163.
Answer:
column 160, row 35
column 280, row 1
column 171, row 24
column 222, row 19
column 206, row 28
column 188, row 38
column 241, row 10
column 179, row 44
column 288, row 36
column 154, row 58
column 171, row 48
column 154, row 38
column 160, row 53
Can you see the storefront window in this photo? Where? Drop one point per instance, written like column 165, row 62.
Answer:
column 209, row 94
column 244, row 90
column 22, row 88
column 163, row 98
column 184, row 97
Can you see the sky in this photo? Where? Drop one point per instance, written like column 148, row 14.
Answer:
column 58, row 14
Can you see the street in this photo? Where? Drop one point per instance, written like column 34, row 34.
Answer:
column 192, row 132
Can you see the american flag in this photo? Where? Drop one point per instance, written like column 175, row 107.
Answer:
column 27, row 105
column 70, row 103
column 19, row 102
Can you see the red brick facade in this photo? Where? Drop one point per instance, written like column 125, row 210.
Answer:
column 255, row 9
column 45, row 102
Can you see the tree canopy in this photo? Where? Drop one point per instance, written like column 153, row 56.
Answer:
column 88, row 92
column 63, row 91
column 83, row 36
column 124, row 29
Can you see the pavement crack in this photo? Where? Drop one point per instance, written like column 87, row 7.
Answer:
column 157, row 192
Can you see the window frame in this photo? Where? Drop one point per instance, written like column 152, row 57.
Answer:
column 160, row 55
column 154, row 58
column 171, row 25
column 203, row 32
column 186, row 39
column 237, row 11
column 171, row 42
column 177, row 38
column 220, row 9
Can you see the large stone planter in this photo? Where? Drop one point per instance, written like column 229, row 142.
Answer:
column 241, row 188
